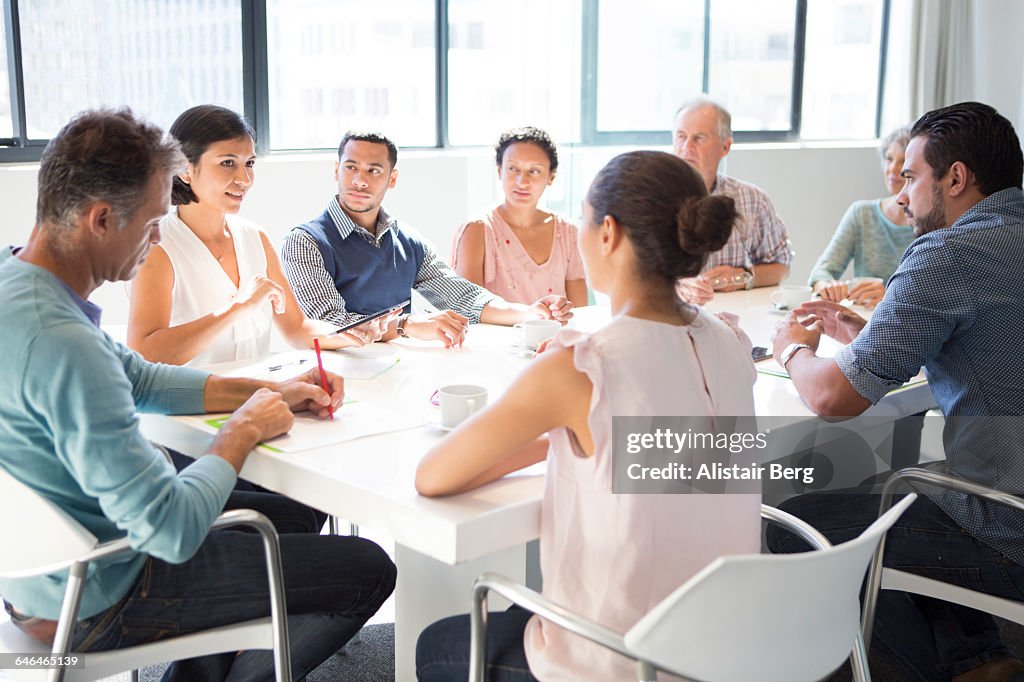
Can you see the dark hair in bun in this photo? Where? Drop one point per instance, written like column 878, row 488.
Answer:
column 664, row 209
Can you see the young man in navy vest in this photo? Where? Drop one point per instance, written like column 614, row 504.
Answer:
column 355, row 259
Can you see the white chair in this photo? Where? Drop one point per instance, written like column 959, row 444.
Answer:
column 746, row 617
column 39, row 538
column 892, row 579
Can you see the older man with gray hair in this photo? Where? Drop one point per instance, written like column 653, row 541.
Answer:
column 757, row 254
column 69, row 429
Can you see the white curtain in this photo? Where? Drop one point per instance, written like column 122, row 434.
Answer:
column 944, row 51
column 931, row 58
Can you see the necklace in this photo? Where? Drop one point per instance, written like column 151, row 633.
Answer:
column 224, row 249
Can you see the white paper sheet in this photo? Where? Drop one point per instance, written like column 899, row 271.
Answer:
column 354, row 420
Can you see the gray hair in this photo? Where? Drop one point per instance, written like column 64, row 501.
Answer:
column 900, row 136
column 722, row 115
column 102, row 155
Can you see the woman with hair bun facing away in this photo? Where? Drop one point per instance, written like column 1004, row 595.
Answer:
column 647, row 221
column 517, row 250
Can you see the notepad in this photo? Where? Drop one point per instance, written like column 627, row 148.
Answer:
column 771, row 367
column 360, row 368
column 356, row 419
column 282, row 366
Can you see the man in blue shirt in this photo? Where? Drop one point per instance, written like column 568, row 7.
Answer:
column 955, row 306
column 69, row 429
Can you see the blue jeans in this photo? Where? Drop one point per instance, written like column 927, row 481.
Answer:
column 442, row 651
column 246, row 495
column 332, row 587
column 929, row 638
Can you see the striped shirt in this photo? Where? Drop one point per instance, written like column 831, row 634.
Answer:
column 759, row 236
column 320, row 299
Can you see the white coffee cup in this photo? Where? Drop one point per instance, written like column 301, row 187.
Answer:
column 459, row 401
column 789, row 296
column 532, row 333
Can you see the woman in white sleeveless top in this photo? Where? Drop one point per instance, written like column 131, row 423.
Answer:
column 647, row 221
column 212, row 288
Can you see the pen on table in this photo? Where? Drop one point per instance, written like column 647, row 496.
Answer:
column 274, row 368
column 323, row 375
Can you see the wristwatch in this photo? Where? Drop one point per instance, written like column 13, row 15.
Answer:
column 748, row 275
column 789, row 351
column 400, row 327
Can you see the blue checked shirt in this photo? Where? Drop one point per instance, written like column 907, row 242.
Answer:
column 956, row 307
column 759, row 236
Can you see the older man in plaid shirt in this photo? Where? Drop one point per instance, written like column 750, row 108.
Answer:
column 757, row 254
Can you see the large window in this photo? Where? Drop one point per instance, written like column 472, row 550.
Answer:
column 841, row 69
column 335, row 65
column 751, row 62
column 6, row 119
column 158, row 56
column 432, row 73
column 509, row 68
column 647, row 62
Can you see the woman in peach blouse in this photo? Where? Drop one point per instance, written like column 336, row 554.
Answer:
column 517, row 250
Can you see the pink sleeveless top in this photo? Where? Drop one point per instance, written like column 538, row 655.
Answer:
column 611, row 558
column 511, row 273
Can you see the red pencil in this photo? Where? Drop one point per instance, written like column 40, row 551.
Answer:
column 323, row 375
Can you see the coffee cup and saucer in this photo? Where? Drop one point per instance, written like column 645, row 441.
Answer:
column 458, row 402
column 532, row 333
column 790, row 296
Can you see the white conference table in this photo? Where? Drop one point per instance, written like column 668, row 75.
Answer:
column 441, row 545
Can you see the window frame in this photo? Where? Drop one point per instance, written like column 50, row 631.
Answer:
column 17, row 148
column 256, row 90
column 588, row 114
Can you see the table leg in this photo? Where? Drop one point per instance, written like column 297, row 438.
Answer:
column 429, row 590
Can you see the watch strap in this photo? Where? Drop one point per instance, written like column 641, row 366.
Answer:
column 789, row 351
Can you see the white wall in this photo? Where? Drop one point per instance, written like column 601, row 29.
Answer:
column 811, row 187
column 999, row 53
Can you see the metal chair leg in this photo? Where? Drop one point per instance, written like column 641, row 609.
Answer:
column 334, row 527
column 68, row 617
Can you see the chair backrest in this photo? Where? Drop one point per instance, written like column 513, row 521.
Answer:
column 763, row 616
column 36, row 536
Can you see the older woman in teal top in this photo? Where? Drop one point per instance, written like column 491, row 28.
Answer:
column 873, row 234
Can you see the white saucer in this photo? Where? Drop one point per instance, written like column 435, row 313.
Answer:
column 434, row 422
column 523, row 351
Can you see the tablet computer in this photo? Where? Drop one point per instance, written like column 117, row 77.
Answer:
column 373, row 316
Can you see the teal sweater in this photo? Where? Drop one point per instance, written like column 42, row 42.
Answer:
column 69, row 430
column 874, row 243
